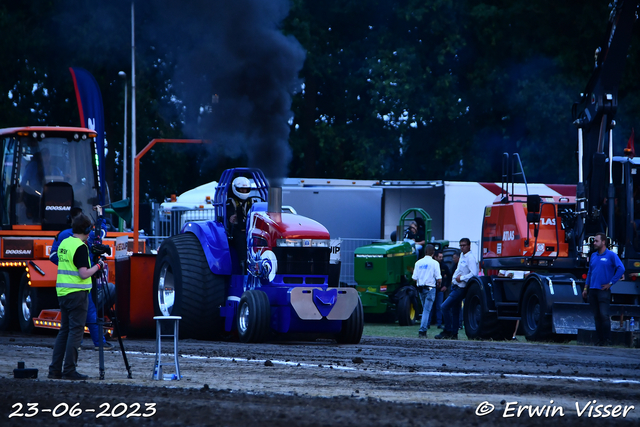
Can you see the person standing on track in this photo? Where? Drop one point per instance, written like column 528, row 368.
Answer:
column 72, row 287
column 446, row 283
column 466, row 269
column 92, row 313
column 427, row 275
column 605, row 269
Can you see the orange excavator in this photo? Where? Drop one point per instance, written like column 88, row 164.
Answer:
column 548, row 238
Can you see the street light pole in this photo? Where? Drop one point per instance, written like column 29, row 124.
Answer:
column 123, row 76
column 133, row 104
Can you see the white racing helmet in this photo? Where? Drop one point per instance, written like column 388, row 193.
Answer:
column 241, row 187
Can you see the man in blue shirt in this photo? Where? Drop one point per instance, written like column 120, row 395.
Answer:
column 605, row 269
column 92, row 313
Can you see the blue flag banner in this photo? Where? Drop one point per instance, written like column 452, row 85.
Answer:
column 91, row 115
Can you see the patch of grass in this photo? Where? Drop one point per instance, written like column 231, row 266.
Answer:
column 397, row 331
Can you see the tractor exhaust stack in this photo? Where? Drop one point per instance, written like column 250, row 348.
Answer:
column 275, row 200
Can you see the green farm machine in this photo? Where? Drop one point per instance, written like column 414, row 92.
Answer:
column 383, row 270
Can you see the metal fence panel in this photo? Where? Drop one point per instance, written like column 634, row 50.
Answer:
column 347, row 248
column 168, row 223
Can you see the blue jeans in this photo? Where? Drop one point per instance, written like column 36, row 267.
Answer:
column 437, row 316
column 92, row 322
column 104, row 298
column 427, row 296
column 451, row 309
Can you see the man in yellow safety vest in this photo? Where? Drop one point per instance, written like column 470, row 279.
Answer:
column 72, row 287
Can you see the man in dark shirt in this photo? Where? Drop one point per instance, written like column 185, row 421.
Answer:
column 415, row 234
column 446, row 284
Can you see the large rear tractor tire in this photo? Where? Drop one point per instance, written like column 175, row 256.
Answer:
column 407, row 309
column 254, row 317
column 479, row 323
column 447, row 255
column 31, row 302
column 5, row 301
column 183, row 285
column 536, row 325
column 352, row 328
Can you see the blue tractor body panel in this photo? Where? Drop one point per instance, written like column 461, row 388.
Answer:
column 213, row 238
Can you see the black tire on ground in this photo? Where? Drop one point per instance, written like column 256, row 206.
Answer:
column 31, row 301
column 407, row 310
column 352, row 328
column 479, row 323
column 5, row 301
column 183, row 285
column 253, row 320
column 536, row 324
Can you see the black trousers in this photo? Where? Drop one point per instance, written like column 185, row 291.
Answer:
column 600, row 302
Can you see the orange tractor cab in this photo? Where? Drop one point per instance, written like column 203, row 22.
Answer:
column 45, row 172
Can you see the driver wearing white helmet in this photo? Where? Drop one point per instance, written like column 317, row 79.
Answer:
column 238, row 206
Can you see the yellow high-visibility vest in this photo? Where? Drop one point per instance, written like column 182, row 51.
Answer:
column 69, row 279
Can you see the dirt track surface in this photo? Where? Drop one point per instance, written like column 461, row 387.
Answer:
column 381, row 381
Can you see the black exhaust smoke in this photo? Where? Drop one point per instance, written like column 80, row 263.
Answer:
column 235, row 74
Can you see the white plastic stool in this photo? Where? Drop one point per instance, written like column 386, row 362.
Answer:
column 157, row 371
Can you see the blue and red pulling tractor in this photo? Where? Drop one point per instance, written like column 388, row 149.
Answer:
column 282, row 287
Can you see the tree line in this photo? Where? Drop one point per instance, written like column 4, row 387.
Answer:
column 400, row 89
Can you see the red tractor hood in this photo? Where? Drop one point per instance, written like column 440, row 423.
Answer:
column 291, row 226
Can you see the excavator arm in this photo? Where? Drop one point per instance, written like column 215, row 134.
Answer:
column 594, row 115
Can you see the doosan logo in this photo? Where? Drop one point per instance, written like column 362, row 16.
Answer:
column 57, row 208
column 17, row 252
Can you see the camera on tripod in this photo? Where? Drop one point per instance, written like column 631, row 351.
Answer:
column 100, row 249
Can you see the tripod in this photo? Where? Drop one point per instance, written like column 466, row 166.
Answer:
column 102, row 282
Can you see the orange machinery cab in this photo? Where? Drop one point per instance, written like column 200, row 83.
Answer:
column 506, row 233
column 31, row 254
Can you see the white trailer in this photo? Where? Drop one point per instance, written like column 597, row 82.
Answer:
column 352, row 209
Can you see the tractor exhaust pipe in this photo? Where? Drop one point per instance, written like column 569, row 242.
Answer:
column 275, row 200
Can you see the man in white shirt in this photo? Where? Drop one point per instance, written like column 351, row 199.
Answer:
column 467, row 268
column 427, row 275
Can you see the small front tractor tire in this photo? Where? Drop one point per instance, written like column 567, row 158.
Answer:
column 352, row 328
column 253, row 320
column 407, row 309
